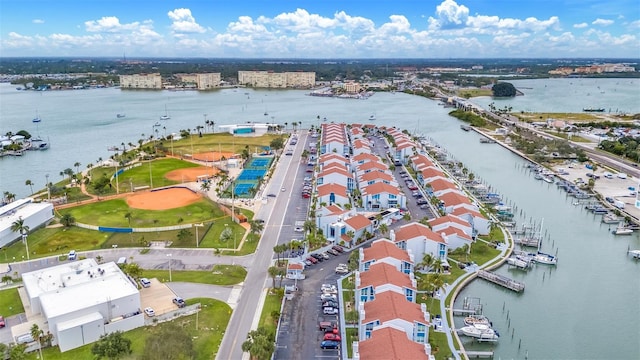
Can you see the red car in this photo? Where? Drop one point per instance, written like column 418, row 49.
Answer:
column 312, row 259
column 2, row 323
column 331, row 336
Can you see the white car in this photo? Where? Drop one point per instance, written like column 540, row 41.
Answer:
column 342, row 270
column 283, row 189
column 330, row 311
column 325, row 255
column 298, row 229
column 325, row 297
column 328, row 288
column 149, row 311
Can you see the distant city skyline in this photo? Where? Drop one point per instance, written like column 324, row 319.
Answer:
column 321, row 28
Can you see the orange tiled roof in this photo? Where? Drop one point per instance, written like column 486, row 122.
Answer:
column 379, row 188
column 390, row 344
column 358, row 222
column 334, row 188
column 454, row 198
column 383, row 273
column 448, row 218
column 414, row 230
column 389, row 305
column 385, row 248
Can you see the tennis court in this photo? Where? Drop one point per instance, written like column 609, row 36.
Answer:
column 243, row 188
column 252, row 174
column 260, row 162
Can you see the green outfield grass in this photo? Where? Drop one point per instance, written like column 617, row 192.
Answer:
column 223, row 142
column 10, row 303
column 112, row 213
column 143, row 175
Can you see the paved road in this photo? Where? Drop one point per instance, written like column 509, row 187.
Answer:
column 228, row 294
column 274, row 214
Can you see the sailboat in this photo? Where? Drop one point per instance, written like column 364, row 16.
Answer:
column 37, row 118
column 166, row 114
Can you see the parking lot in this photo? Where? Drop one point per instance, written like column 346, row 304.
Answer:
column 300, row 336
column 158, row 296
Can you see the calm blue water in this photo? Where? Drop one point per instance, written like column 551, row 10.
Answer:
column 587, row 307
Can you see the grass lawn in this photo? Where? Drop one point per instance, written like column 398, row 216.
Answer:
column 212, row 238
column 352, row 335
column 248, row 247
column 212, row 322
column 139, row 175
column 10, row 303
column 439, row 344
column 469, row 93
column 272, row 304
column 55, row 241
column 221, row 275
column 224, row 142
column 112, row 213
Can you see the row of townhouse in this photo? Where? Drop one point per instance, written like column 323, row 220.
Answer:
column 346, row 164
column 391, row 324
column 452, row 200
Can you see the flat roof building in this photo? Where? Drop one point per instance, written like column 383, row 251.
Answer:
column 82, row 300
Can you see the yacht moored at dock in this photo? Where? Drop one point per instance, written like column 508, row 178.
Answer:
column 482, row 332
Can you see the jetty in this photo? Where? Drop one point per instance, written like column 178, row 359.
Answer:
column 501, row 280
column 530, row 242
column 479, row 354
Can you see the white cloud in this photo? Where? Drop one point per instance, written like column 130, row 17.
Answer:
column 109, row 24
column 450, row 15
column 37, row 21
column 580, row 25
column 184, row 22
column 602, row 22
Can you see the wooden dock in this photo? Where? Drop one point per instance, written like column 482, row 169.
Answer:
column 479, row 354
column 530, row 242
column 501, row 280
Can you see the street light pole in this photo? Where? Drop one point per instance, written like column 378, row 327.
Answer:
column 197, row 238
column 26, row 244
column 48, row 187
column 170, row 258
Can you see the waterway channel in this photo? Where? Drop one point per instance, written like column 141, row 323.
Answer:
column 587, row 307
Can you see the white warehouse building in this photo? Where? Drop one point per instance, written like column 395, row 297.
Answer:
column 81, row 300
column 34, row 215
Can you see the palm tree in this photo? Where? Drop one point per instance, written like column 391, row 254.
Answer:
column 383, row 229
column 427, row 262
column 67, row 220
column 256, row 227
column 273, row 272
column 309, row 226
column 438, row 265
column 29, row 183
column 19, row 227
column 77, row 165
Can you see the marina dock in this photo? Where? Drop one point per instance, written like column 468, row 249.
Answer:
column 479, row 354
column 501, row 280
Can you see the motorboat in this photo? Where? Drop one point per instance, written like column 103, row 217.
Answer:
column 621, row 230
column 372, row 117
column 610, row 218
column 482, row 332
column 518, row 263
column 547, row 179
column 120, row 115
column 542, row 258
column 634, row 254
column 476, row 319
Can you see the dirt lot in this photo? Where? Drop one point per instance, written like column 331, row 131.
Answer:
column 163, row 199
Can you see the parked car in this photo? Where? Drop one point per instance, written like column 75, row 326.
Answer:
column 330, row 303
column 342, row 270
column 307, row 178
column 325, row 256
column 149, row 311
column 298, row 229
column 2, row 322
column 283, row 189
column 306, row 195
column 330, row 311
column 179, row 302
column 312, row 259
column 327, row 297
column 327, row 325
column 331, row 337
column 333, row 252
column 145, row 282
column 307, row 262
column 338, row 248
column 72, row 255
column 328, row 288
column 317, row 257
column 271, row 195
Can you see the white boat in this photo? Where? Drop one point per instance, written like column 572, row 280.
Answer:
column 519, row 263
column 621, row 230
column 634, row 254
column 547, row 179
column 120, row 115
column 372, row 117
column 610, row 218
column 476, row 319
column 543, row 258
column 37, row 118
column 166, row 114
column 481, row 332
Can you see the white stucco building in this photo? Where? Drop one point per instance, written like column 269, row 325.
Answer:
column 33, row 214
column 81, row 300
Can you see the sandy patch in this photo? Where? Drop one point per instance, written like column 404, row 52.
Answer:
column 163, row 199
column 190, row 174
column 212, row 156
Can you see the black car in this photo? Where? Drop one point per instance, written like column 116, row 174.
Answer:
column 271, row 195
column 318, row 257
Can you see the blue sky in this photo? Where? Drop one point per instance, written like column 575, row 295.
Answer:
column 321, row 28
